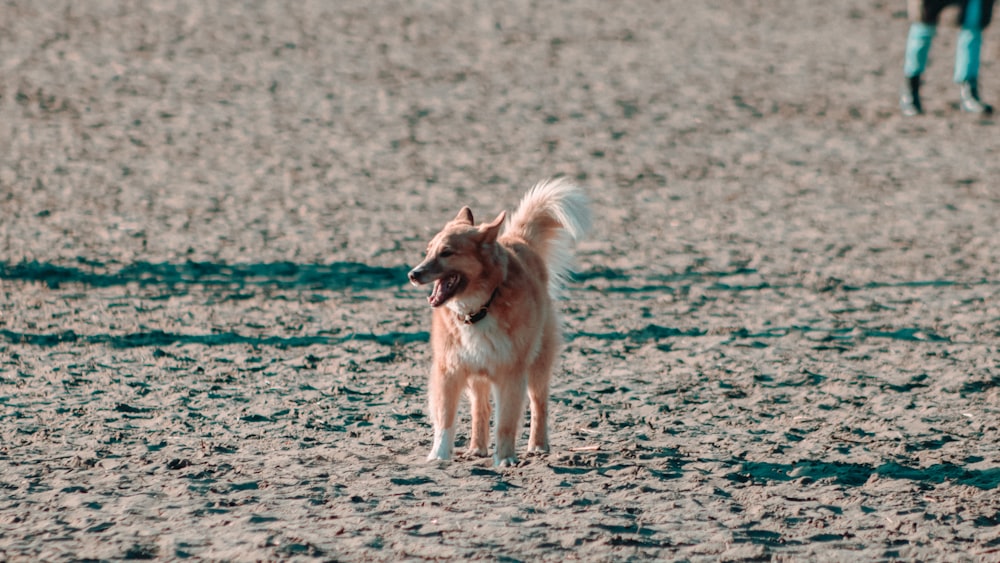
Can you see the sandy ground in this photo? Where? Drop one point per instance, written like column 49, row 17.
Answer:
column 783, row 342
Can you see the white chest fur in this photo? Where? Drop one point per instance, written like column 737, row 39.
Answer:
column 483, row 346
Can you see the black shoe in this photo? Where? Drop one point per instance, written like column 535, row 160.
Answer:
column 970, row 99
column 909, row 99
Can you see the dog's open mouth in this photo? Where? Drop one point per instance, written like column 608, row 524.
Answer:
column 444, row 289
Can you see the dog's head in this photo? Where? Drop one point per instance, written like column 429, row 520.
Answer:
column 457, row 256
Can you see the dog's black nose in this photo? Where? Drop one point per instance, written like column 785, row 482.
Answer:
column 413, row 276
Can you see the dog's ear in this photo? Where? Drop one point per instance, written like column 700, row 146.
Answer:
column 492, row 230
column 464, row 216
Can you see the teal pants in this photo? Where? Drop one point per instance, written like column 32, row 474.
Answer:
column 970, row 42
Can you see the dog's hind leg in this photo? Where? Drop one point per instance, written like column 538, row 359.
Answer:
column 445, row 391
column 538, row 394
column 479, row 397
column 509, row 393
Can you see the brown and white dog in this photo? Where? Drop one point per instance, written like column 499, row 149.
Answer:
column 495, row 325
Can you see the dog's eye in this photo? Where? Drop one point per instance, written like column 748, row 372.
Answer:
column 446, row 253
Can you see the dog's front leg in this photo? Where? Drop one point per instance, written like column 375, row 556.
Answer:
column 445, row 391
column 479, row 398
column 509, row 392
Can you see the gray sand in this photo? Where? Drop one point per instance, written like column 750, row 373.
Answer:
column 783, row 342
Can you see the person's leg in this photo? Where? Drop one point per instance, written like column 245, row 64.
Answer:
column 970, row 41
column 918, row 48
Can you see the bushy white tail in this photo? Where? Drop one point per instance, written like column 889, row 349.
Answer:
column 550, row 216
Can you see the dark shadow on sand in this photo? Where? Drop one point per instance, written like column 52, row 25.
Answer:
column 617, row 274
column 161, row 338
column 649, row 333
column 624, row 282
column 843, row 336
column 857, row 474
column 660, row 335
column 358, row 276
column 340, row 276
column 664, row 283
column 282, row 275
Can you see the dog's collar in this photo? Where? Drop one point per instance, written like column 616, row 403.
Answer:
column 473, row 318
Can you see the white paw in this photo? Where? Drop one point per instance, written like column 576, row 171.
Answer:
column 504, row 461
column 538, row 449
column 444, row 443
column 434, row 456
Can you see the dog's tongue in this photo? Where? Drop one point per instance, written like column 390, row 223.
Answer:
column 435, row 298
column 443, row 289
